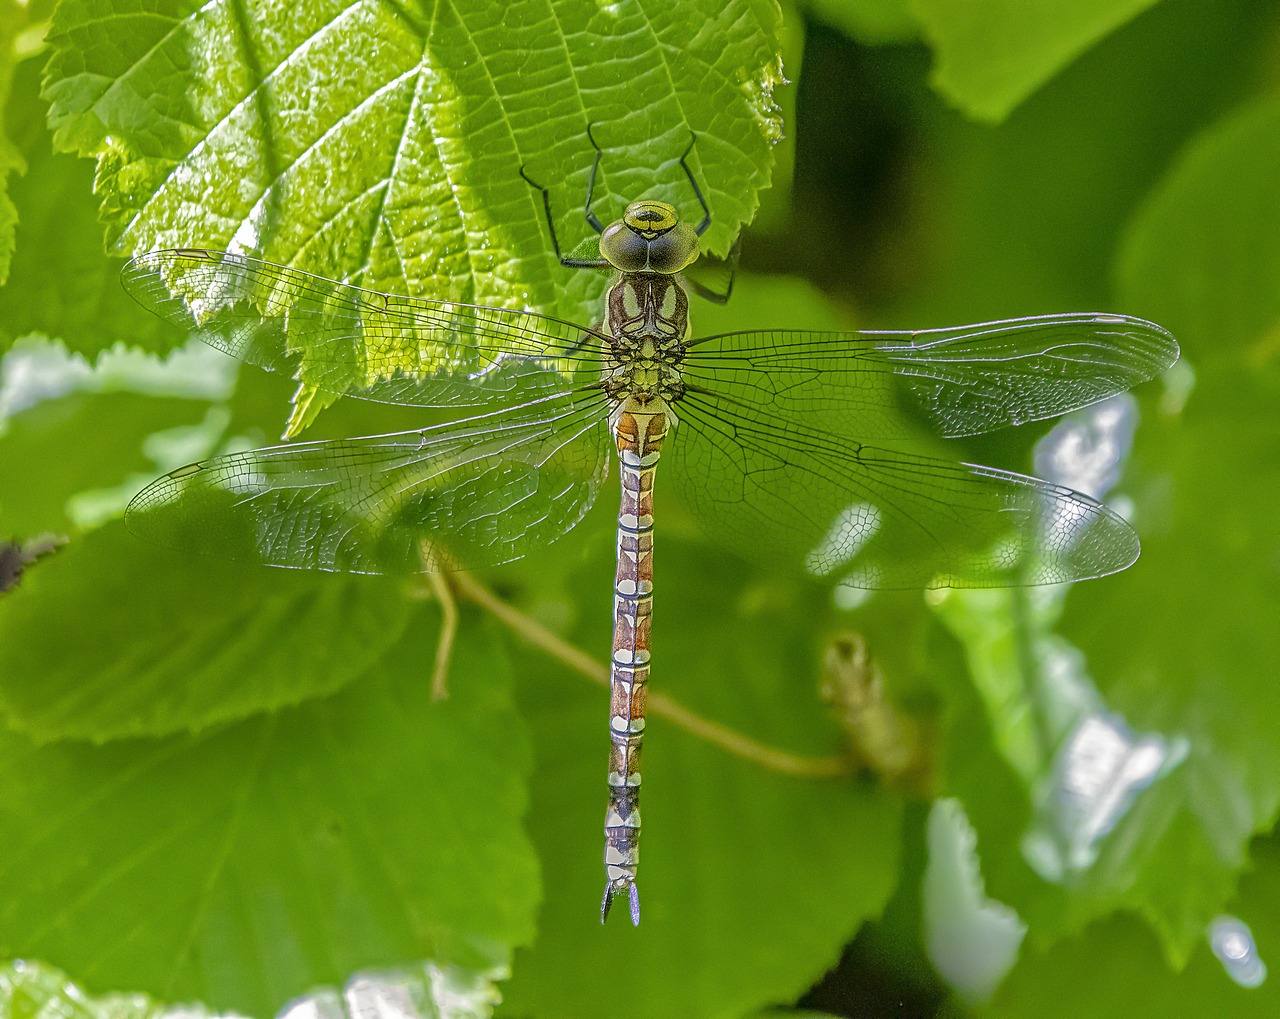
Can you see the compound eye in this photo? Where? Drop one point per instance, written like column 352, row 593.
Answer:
column 624, row 249
column 674, row 250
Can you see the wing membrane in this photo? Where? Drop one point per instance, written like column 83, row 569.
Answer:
column 483, row 490
column 344, row 339
column 963, row 381
column 879, row 518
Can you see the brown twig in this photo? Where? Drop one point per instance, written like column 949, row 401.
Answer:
column 722, row 736
column 448, row 630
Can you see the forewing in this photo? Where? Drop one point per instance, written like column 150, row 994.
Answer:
column 471, row 493
column 878, row 518
column 962, row 381
column 344, row 339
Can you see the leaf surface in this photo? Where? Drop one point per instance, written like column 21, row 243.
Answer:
column 129, row 640
column 250, row 863
column 382, row 144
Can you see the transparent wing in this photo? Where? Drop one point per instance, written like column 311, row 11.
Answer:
column 470, row 493
column 879, row 518
column 344, row 339
column 963, row 381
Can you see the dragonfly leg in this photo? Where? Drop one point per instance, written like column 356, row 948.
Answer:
column 592, row 219
column 701, row 228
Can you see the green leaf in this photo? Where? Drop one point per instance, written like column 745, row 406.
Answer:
column 1204, row 251
column 163, row 643
column 1115, row 969
column 1204, row 649
column 245, row 865
column 1173, row 854
column 62, row 282
column 871, row 22
column 382, row 144
column 61, row 448
column 991, row 54
column 750, row 881
column 1024, row 218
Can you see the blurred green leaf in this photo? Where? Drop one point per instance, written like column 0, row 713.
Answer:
column 62, row 283
column 164, row 643
column 750, row 881
column 874, row 22
column 245, row 865
column 84, row 441
column 1175, row 660
column 991, row 54
column 1023, row 218
column 1204, row 251
column 383, row 145
column 1191, row 656
column 1094, row 974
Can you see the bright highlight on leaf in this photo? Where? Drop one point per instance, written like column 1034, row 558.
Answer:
column 382, row 143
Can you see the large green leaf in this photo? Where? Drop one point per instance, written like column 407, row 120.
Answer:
column 163, row 644
column 247, row 864
column 382, row 144
column 992, row 54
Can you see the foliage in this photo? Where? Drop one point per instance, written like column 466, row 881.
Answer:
column 230, row 785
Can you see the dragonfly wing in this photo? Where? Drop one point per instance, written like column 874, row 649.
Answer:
column 470, row 493
column 344, row 339
column 879, row 518
column 963, row 381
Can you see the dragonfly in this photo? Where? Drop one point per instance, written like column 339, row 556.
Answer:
column 788, row 445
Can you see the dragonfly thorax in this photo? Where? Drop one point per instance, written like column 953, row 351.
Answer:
column 649, row 238
column 647, row 321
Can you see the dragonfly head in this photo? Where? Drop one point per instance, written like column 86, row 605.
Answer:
column 649, row 238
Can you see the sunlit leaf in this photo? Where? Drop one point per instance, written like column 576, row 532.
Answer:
column 383, row 144
column 12, row 19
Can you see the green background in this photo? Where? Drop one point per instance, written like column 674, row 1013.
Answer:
column 230, row 786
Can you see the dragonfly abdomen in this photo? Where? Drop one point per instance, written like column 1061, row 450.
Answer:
column 639, row 431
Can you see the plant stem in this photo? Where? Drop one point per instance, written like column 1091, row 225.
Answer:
column 722, row 736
